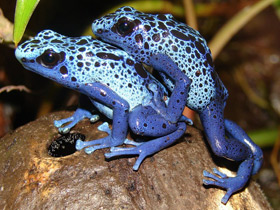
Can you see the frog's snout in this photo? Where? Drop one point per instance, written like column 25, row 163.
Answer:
column 19, row 55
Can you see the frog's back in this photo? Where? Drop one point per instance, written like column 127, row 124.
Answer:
column 152, row 34
column 189, row 50
column 84, row 60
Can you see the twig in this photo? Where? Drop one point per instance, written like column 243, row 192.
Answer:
column 235, row 24
column 13, row 87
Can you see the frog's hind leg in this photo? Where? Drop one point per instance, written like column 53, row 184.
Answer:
column 236, row 132
column 178, row 99
column 232, row 148
column 151, row 124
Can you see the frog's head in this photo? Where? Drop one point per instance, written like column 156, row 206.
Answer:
column 132, row 30
column 49, row 54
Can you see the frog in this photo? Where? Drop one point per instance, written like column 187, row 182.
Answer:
column 158, row 39
column 117, row 86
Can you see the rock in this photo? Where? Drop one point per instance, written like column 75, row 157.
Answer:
column 171, row 179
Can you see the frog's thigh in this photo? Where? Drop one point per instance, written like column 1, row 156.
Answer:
column 146, row 121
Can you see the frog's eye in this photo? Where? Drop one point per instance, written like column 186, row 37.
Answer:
column 124, row 27
column 50, row 58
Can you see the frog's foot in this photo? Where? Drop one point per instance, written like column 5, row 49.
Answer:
column 230, row 184
column 134, row 143
column 105, row 142
column 138, row 150
column 186, row 120
column 156, row 100
column 79, row 115
column 145, row 149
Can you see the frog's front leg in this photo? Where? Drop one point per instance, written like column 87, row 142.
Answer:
column 145, row 121
column 81, row 113
column 120, row 107
column 179, row 96
column 237, row 147
column 78, row 115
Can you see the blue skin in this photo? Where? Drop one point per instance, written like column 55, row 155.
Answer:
column 147, row 37
column 117, row 86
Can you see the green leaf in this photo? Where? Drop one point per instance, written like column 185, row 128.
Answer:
column 265, row 137
column 24, row 10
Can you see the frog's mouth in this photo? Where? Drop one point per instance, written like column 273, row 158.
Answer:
column 104, row 35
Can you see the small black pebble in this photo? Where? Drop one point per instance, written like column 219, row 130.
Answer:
column 64, row 145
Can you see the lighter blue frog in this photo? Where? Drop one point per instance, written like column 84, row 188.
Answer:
column 159, row 40
column 117, row 85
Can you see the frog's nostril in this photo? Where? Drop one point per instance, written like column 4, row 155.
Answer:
column 99, row 31
column 23, row 60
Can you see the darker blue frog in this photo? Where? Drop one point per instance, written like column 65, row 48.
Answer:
column 117, row 85
column 159, row 40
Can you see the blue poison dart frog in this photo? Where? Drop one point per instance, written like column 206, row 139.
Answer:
column 117, row 85
column 159, row 40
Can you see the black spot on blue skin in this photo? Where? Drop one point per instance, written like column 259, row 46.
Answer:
column 156, row 37
column 57, row 41
column 35, row 41
column 209, row 59
column 146, row 45
column 165, row 34
column 127, row 9
column 170, row 24
column 192, row 38
column 129, row 62
column 147, row 28
column 47, row 37
column 82, row 49
column 108, row 56
column 162, row 26
column 200, row 47
column 89, row 54
column 174, row 48
column 188, row 49
column 139, row 38
column 140, row 70
column 179, row 35
column 162, row 17
column 197, row 54
column 63, row 70
column 82, row 42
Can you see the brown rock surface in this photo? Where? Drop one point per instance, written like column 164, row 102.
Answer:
column 171, row 179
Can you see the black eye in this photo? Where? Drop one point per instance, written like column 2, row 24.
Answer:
column 125, row 27
column 50, row 58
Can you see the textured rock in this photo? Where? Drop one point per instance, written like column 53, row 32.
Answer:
column 171, row 179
